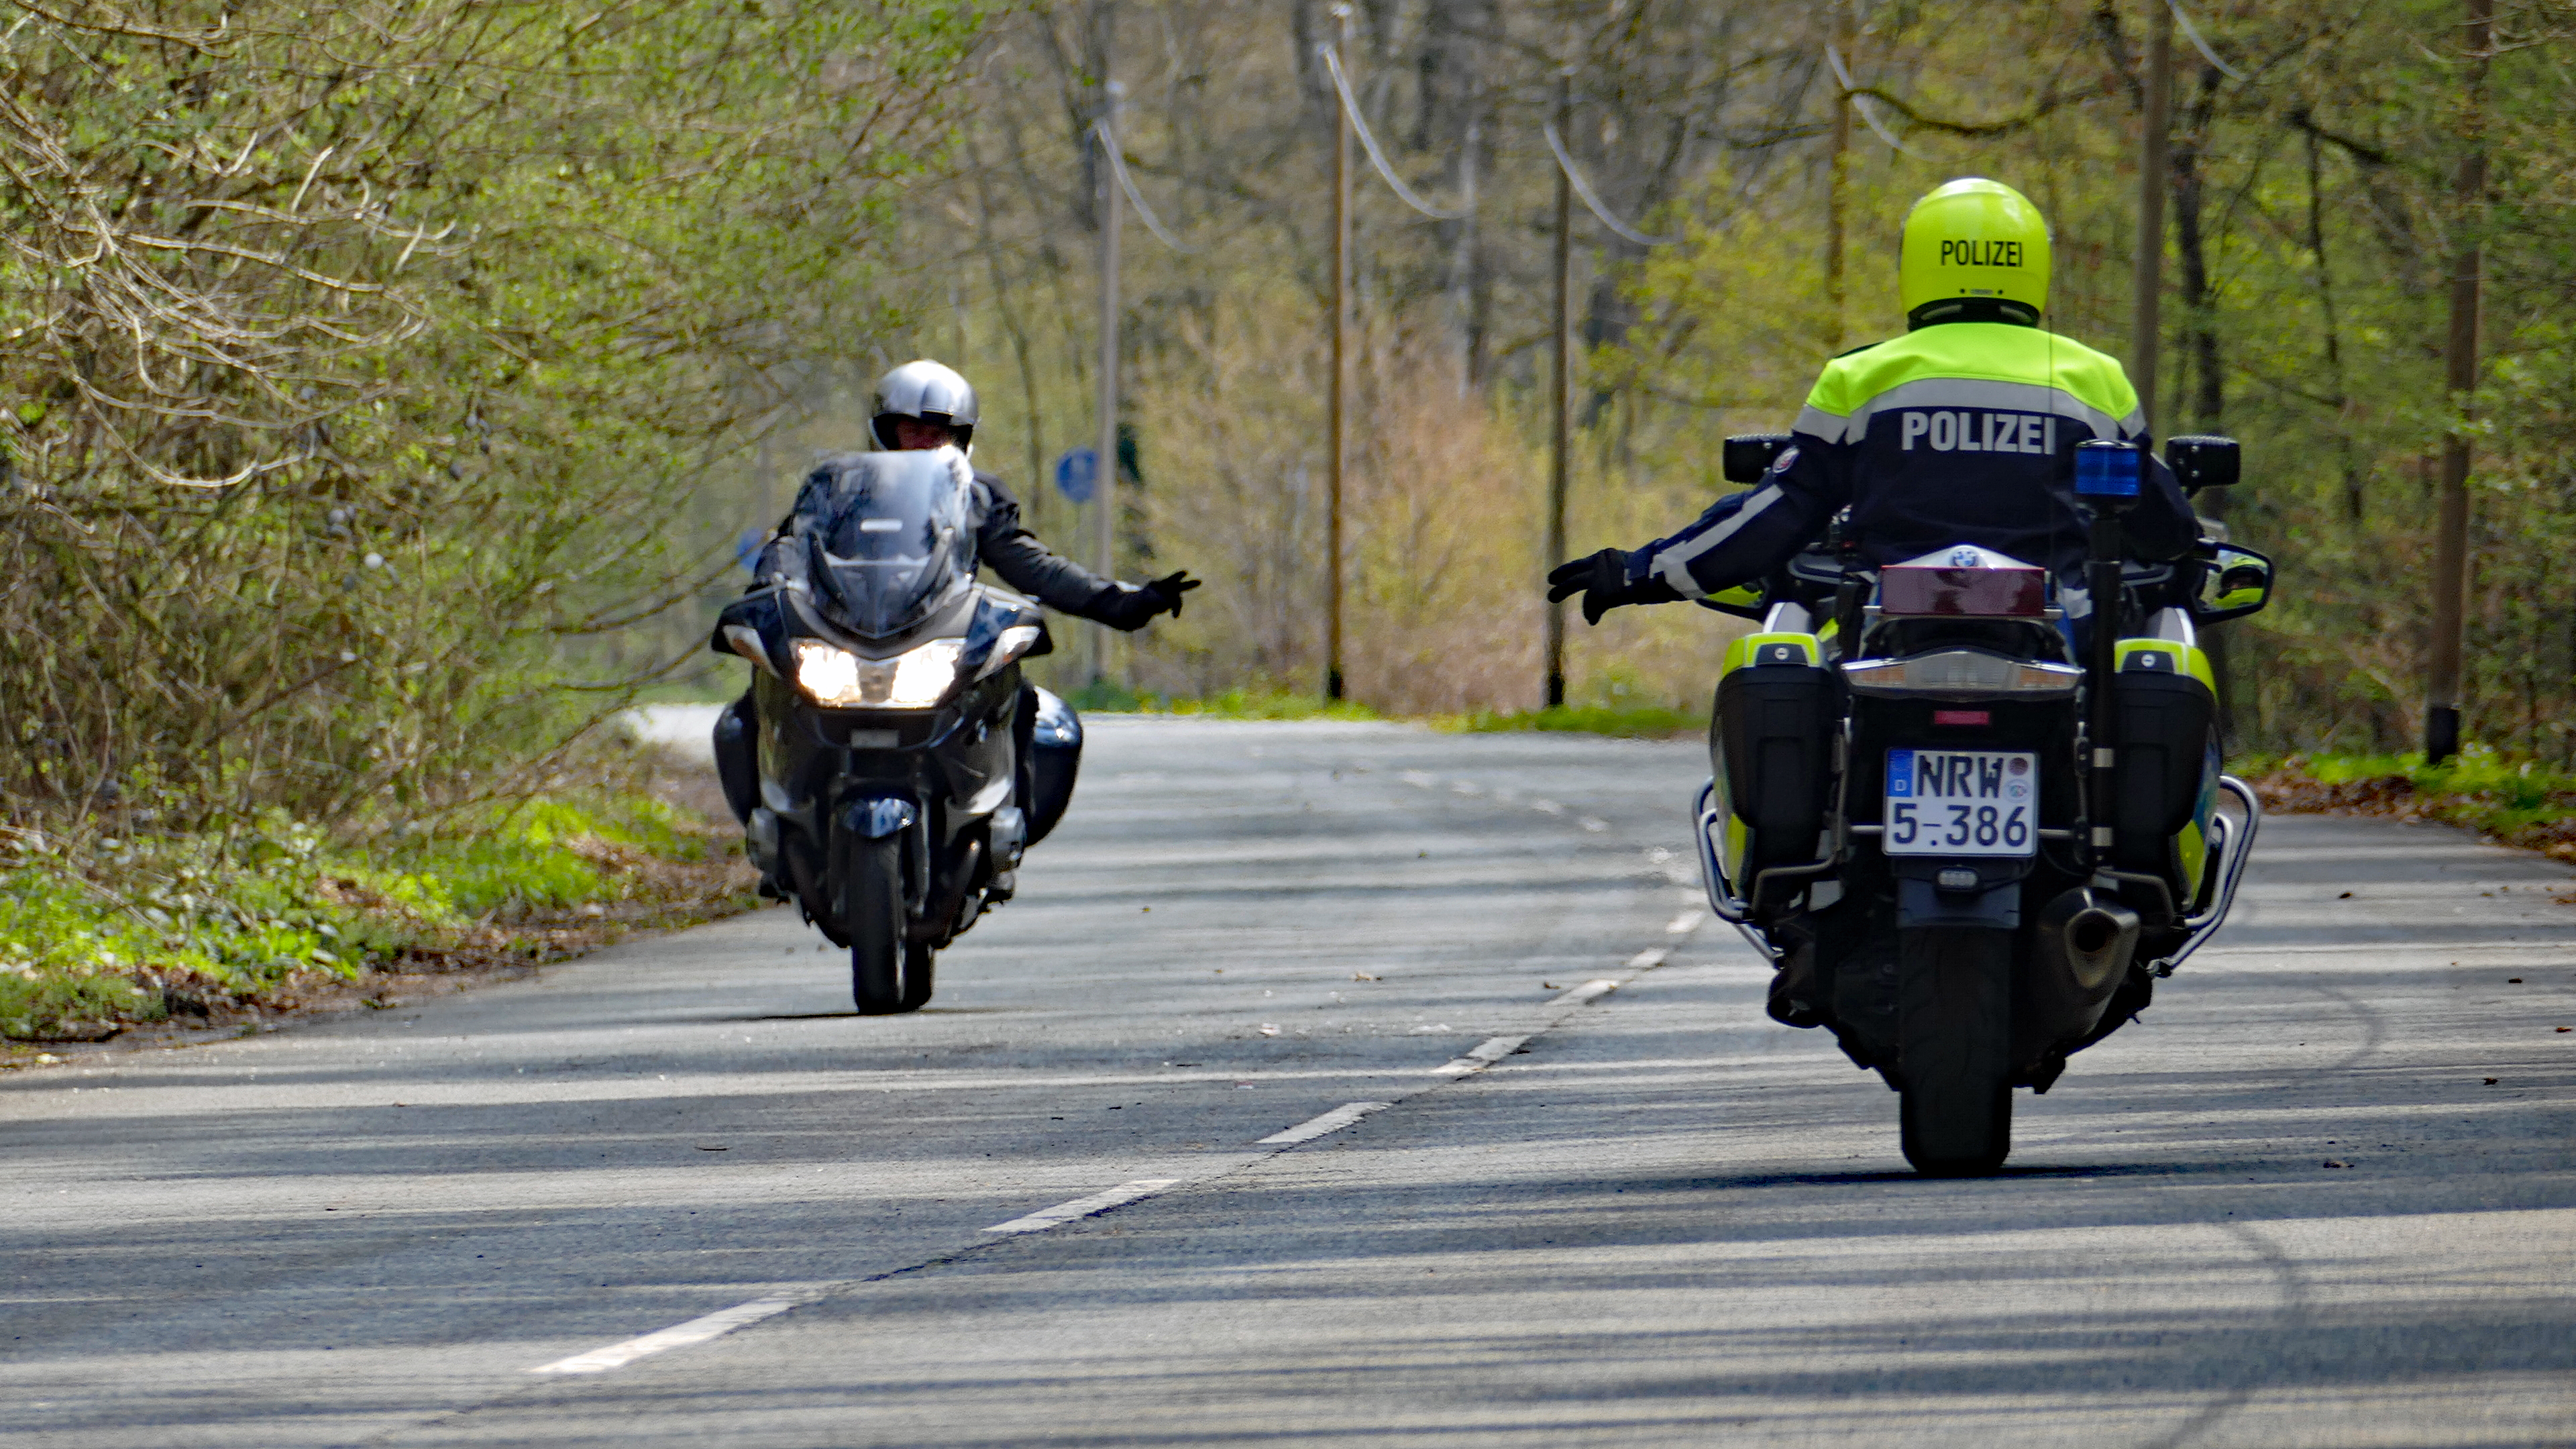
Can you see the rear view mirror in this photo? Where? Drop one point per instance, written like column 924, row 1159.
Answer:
column 2234, row 582
column 2202, row 460
column 1748, row 456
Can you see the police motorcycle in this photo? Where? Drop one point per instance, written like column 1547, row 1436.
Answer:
column 1969, row 849
column 904, row 764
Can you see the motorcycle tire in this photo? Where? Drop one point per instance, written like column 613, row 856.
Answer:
column 1956, row 1058
column 888, row 975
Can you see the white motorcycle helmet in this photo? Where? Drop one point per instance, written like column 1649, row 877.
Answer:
column 930, row 391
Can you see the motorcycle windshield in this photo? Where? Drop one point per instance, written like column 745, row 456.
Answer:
column 891, row 542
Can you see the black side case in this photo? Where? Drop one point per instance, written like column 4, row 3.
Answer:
column 2163, row 721
column 1054, row 733
column 1771, row 740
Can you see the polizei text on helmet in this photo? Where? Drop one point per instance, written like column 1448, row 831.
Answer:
column 1981, row 253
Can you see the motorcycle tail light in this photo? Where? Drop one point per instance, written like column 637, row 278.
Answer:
column 1962, row 674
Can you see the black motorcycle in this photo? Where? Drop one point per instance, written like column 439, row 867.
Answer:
column 902, row 762
column 1969, row 845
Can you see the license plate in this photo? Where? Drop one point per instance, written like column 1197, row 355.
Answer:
column 1961, row 802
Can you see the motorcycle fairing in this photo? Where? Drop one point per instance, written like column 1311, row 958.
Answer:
column 889, row 539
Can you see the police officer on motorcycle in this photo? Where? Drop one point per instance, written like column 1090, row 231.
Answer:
column 1963, row 430
column 922, row 405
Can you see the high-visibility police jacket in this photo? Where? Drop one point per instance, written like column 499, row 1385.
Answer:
column 1959, row 432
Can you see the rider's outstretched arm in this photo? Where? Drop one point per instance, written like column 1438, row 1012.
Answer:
column 1017, row 558
column 1740, row 537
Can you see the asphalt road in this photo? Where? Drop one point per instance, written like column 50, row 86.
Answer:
column 2325, row 1193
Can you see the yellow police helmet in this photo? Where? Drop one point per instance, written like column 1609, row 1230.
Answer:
column 1974, row 242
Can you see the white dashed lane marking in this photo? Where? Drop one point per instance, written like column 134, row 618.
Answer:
column 1486, row 1054
column 681, row 1335
column 1332, row 1121
column 1492, row 1050
column 1083, row 1207
column 1588, row 991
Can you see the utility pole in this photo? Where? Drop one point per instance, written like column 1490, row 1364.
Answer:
column 1561, row 392
column 1838, row 180
column 2460, row 365
column 1104, row 486
column 2155, row 169
column 1341, row 364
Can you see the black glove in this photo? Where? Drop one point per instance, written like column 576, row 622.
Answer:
column 1130, row 607
column 1602, row 580
column 1170, row 587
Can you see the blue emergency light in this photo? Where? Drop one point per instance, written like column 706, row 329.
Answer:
column 2106, row 470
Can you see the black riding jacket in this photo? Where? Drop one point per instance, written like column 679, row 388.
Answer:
column 1002, row 544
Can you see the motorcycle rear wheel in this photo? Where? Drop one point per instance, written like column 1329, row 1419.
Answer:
column 1956, row 1104
column 888, row 975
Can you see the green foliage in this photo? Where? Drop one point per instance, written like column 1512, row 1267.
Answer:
column 357, row 361
column 2481, row 787
column 97, row 932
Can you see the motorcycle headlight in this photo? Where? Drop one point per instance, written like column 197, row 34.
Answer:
column 915, row 679
column 1015, row 641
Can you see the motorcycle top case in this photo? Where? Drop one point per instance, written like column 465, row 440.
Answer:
column 1771, row 740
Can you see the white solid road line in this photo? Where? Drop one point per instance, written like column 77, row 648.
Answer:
column 1492, row 1050
column 696, row 1330
column 1332, row 1121
column 1083, row 1207
column 1588, row 991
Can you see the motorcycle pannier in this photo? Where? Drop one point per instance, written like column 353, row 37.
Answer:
column 1054, row 733
column 2164, row 712
column 1772, row 738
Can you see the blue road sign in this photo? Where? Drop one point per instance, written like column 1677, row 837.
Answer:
column 1077, row 473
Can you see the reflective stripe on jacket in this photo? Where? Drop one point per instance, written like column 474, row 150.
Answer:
column 1961, row 432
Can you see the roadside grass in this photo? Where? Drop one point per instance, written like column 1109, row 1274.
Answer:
column 2516, row 803
column 104, row 933
column 1110, row 697
column 1631, row 721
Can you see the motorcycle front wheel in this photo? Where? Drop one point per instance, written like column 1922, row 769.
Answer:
column 888, row 975
column 1956, row 1104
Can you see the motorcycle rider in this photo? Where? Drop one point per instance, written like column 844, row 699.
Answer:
column 925, row 405
column 1963, row 430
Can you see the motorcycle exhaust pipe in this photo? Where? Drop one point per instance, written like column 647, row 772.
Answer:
column 2083, row 944
column 2097, row 939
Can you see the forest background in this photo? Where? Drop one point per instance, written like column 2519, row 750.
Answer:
column 391, row 384
column 2311, row 228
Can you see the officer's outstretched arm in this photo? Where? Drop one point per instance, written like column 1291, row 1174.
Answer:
column 1740, row 537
